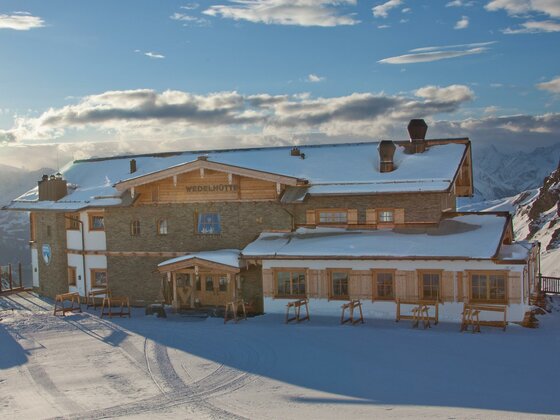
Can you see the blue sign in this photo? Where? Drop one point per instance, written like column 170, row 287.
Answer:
column 47, row 254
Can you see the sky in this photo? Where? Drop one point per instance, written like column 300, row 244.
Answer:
column 81, row 78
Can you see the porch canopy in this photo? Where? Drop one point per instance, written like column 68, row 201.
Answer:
column 222, row 260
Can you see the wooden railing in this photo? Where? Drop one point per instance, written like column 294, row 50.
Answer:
column 550, row 285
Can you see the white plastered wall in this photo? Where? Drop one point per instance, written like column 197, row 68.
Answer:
column 35, row 266
column 448, row 311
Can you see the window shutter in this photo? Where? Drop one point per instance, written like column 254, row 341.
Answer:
column 310, row 214
column 371, row 216
column 399, row 216
column 447, row 288
column 514, row 284
column 268, row 283
column 352, row 216
column 313, row 283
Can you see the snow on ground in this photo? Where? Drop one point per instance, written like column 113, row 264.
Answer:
column 81, row 366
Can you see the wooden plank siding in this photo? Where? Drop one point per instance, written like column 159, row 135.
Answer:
column 220, row 186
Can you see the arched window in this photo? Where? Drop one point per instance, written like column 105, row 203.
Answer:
column 135, row 227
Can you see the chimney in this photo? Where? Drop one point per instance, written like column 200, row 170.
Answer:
column 417, row 131
column 295, row 151
column 132, row 166
column 386, row 152
column 52, row 188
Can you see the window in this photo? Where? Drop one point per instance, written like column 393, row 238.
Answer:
column 290, row 284
column 72, row 276
column 488, row 287
column 383, row 286
column 162, row 227
column 209, row 284
column 96, row 221
column 72, row 221
column 135, row 228
column 209, row 224
column 337, row 217
column 386, row 216
column 197, row 283
column 98, row 277
column 339, row 285
column 222, row 284
column 430, row 285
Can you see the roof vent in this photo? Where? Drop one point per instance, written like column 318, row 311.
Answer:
column 132, row 166
column 386, row 152
column 417, row 130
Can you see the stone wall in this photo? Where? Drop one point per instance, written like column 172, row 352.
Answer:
column 241, row 223
column 50, row 228
column 252, row 288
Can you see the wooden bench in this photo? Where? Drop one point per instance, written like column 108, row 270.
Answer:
column 110, row 302
column 73, row 298
column 234, row 307
column 95, row 293
column 353, row 304
column 420, row 311
column 471, row 316
column 297, row 304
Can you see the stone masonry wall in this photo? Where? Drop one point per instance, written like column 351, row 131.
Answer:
column 135, row 277
column 51, row 229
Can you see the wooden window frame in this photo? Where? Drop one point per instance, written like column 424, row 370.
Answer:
column 196, row 224
column 374, row 273
column 330, row 272
column 381, row 222
column 420, row 277
column 318, row 212
column 275, row 273
column 159, row 224
column 91, row 216
column 92, row 272
column 135, row 229
column 74, row 270
column 72, row 221
column 489, row 273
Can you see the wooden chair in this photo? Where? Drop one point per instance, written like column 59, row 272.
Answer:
column 297, row 304
column 73, row 298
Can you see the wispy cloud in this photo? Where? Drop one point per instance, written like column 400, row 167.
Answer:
column 429, row 54
column 20, row 21
column 190, row 6
column 460, row 3
column 145, row 113
column 150, row 54
column 313, row 78
column 382, row 10
column 189, row 20
column 552, row 86
column 462, row 23
column 287, row 12
column 533, row 27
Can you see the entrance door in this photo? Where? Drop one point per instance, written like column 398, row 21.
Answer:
column 215, row 289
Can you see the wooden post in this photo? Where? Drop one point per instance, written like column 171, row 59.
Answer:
column 175, row 301
column 20, row 273
column 10, row 276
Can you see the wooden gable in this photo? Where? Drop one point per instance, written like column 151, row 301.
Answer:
column 205, row 185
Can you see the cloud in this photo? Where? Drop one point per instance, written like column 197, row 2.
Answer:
column 462, row 23
column 147, row 114
column 552, row 86
column 382, row 10
column 313, row 78
column 459, row 3
column 525, row 7
column 190, row 6
column 533, row 27
column 449, row 47
column 20, row 21
column 287, row 12
column 189, row 20
column 383, row 26
column 436, row 55
column 154, row 55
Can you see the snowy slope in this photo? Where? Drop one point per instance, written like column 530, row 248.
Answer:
column 536, row 218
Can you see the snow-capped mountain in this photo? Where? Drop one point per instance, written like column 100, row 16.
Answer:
column 536, row 218
column 499, row 173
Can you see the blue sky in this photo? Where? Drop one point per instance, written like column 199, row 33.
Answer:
column 85, row 78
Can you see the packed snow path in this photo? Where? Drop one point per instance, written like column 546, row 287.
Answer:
column 81, row 366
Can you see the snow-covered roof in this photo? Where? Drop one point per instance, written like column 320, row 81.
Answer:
column 476, row 236
column 351, row 168
column 229, row 257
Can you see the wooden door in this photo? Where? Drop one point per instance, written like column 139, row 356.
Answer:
column 215, row 289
